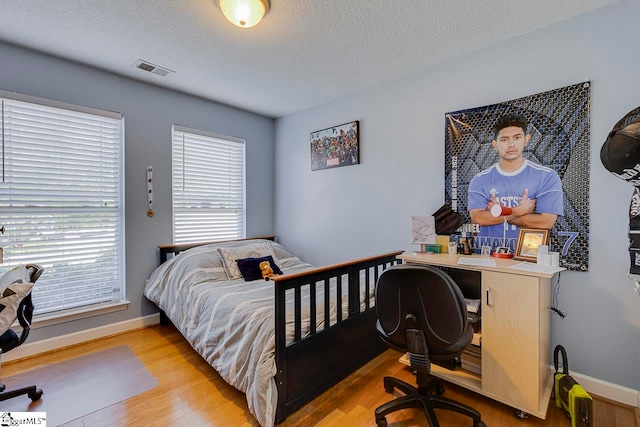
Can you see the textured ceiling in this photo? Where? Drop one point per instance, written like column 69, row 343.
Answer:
column 303, row 53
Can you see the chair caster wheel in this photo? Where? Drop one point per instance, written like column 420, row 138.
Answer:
column 521, row 414
column 36, row 395
column 382, row 422
column 479, row 424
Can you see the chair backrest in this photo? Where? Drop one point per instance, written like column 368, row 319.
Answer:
column 425, row 298
column 10, row 340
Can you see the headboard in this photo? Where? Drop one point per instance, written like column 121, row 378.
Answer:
column 169, row 251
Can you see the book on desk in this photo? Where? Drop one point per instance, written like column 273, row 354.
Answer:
column 471, row 357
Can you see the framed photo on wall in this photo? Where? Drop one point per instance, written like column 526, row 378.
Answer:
column 528, row 241
column 335, row 146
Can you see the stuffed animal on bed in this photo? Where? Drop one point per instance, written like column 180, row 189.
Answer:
column 266, row 269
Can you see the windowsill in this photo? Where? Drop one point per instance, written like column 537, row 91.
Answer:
column 49, row 319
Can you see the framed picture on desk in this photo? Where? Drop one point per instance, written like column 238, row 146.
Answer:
column 528, row 241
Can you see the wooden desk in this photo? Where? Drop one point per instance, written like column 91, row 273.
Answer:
column 515, row 313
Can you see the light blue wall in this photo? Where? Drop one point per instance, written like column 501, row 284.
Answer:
column 333, row 215
column 149, row 113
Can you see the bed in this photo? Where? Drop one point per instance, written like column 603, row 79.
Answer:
column 283, row 341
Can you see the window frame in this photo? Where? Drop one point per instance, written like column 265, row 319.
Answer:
column 118, row 301
column 212, row 137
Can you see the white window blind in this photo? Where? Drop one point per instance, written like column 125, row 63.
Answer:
column 61, row 202
column 208, row 186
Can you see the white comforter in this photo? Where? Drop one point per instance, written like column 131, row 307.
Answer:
column 230, row 323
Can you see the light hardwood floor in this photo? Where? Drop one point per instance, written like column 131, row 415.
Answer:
column 190, row 393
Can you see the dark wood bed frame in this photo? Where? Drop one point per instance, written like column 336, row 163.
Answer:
column 313, row 363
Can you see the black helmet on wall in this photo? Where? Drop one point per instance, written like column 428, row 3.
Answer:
column 620, row 153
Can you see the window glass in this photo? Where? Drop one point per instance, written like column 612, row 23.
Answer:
column 208, row 186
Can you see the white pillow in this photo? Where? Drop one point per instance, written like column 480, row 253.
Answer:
column 252, row 250
column 9, row 301
column 18, row 274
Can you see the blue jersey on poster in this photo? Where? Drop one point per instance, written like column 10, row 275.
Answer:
column 544, row 186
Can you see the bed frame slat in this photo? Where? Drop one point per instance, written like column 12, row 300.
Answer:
column 312, row 308
column 297, row 314
column 327, row 304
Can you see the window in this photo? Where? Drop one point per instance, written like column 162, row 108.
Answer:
column 61, row 200
column 208, row 186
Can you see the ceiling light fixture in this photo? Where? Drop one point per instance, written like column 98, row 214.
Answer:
column 244, row 13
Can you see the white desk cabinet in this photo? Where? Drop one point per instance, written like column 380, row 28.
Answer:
column 515, row 346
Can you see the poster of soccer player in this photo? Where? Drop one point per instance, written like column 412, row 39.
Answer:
column 531, row 156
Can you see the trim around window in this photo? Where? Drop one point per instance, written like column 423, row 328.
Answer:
column 49, row 319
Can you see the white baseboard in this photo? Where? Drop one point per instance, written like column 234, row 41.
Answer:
column 43, row 346
column 615, row 392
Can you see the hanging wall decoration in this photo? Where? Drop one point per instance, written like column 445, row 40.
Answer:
column 335, row 146
column 150, row 212
column 620, row 155
column 560, row 139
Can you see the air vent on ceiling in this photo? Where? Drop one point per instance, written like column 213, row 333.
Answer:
column 147, row 66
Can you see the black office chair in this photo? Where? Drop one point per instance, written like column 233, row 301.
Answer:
column 10, row 339
column 422, row 312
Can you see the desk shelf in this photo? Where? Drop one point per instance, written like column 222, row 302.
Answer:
column 458, row 376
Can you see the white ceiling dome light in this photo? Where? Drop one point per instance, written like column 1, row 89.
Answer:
column 244, row 13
